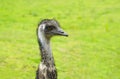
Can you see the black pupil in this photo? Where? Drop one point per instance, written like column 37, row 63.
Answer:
column 49, row 28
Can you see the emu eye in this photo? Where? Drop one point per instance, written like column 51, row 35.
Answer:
column 49, row 28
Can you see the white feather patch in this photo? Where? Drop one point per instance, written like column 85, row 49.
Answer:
column 42, row 66
column 42, row 26
column 41, row 32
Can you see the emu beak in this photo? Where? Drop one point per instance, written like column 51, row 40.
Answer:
column 61, row 33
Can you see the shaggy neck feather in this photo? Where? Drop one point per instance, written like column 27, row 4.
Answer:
column 46, row 53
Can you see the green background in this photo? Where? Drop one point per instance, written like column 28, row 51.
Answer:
column 92, row 50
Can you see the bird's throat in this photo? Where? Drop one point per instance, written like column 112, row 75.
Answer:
column 46, row 53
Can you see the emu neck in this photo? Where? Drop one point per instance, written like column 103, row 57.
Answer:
column 46, row 53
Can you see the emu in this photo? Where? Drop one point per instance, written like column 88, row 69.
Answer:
column 47, row 28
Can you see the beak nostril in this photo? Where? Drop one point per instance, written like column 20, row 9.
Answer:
column 62, row 32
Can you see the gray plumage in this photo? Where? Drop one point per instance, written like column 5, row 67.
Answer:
column 47, row 29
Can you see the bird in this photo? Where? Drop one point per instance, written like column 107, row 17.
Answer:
column 47, row 29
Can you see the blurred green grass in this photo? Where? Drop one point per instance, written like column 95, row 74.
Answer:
column 92, row 50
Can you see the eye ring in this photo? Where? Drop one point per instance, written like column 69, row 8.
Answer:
column 49, row 28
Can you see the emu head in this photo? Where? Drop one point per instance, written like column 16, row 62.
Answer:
column 50, row 28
